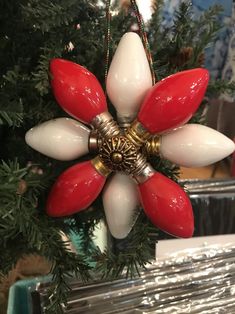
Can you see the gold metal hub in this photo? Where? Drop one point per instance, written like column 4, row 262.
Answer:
column 117, row 157
column 118, row 154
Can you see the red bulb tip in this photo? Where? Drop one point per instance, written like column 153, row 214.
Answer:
column 167, row 206
column 74, row 190
column 77, row 90
column 172, row 101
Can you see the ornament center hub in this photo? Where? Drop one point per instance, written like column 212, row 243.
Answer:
column 117, row 158
column 118, row 153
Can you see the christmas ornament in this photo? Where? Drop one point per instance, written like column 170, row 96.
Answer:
column 163, row 110
column 192, row 145
column 167, row 205
column 72, row 84
column 167, row 105
column 121, row 204
column 164, row 201
column 128, row 80
column 76, row 188
column 129, row 77
column 61, row 139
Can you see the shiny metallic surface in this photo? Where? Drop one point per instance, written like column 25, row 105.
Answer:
column 197, row 187
column 100, row 166
column 137, row 134
column 93, row 142
column 200, row 280
column 118, row 154
column 152, row 146
column 143, row 170
column 124, row 121
column 105, row 124
column 117, row 158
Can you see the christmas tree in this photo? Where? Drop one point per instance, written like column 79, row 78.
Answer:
column 32, row 33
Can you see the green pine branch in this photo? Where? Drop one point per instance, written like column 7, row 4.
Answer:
column 130, row 255
column 24, row 222
column 11, row 103
column 12, row 119
column 41, row 73
column 220, row 87
column 169, row 43
column 48, row 15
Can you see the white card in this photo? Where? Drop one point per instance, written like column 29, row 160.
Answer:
column 167, row 248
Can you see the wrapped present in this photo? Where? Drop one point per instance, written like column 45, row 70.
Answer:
column 198, row 280
column 213, row 203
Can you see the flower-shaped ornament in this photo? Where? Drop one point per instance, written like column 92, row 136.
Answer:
column 151, row 118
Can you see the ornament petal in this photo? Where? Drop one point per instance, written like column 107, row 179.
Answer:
column 172, row 101
column 194, row 145
column 74, row 190
column 167, row 205
column 61, row 139
column 129, row 77
column 121, row 204
column 77, row 90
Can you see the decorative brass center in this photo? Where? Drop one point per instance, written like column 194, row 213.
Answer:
column 117, row 158
column 118, row 153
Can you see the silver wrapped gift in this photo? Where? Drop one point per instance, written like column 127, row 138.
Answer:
column 195, row 281
column 213, row 204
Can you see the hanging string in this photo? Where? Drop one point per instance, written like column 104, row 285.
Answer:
column 107, row 38
column 144, row 38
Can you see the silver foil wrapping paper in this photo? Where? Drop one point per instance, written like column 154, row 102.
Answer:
column 195, row 281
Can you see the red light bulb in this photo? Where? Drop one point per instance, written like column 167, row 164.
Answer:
column 76, row 188
column 172, row 101
column 167, row 205
column 77, row 90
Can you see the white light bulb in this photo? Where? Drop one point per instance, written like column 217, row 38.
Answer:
column 61, row 139
column 121, row 204
column 129, row 77
column 194, row 145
